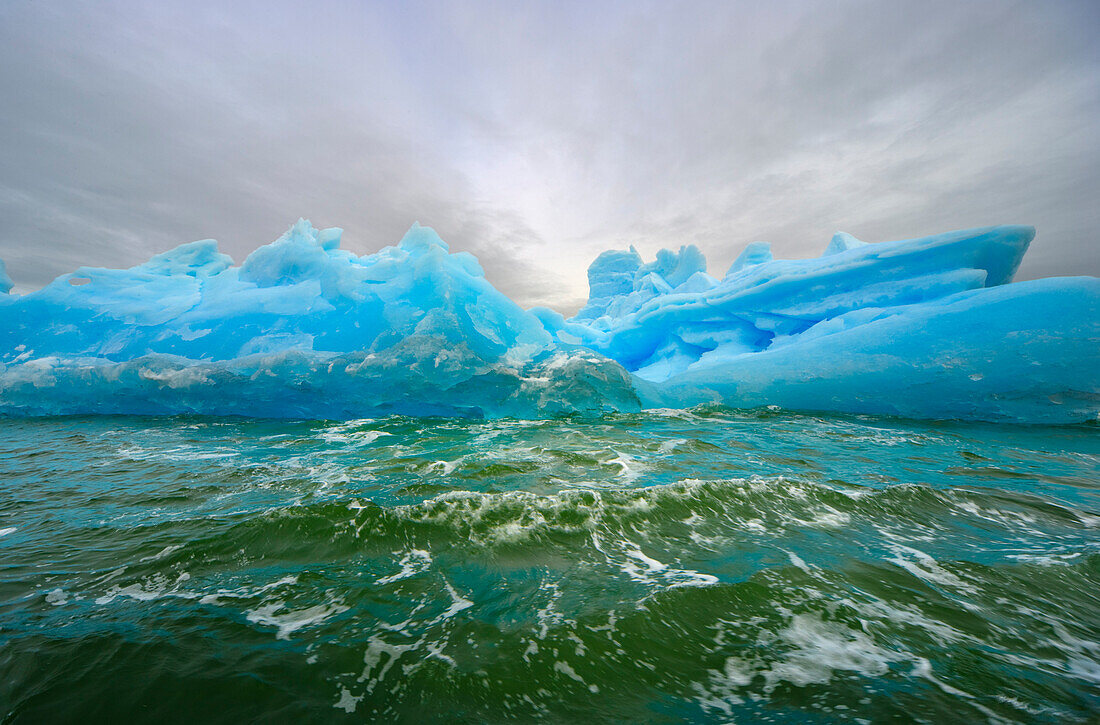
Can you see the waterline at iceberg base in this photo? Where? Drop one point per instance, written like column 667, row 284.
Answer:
column 924, row 328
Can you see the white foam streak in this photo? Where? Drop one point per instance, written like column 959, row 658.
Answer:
column 288, row 621
column 415, row 561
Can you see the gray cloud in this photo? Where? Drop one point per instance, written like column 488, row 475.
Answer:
column 537, row 135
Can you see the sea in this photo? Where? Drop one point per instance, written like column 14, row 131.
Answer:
column 704, row 565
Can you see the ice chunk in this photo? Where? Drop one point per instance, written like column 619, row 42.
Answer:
column 698, row 282
column 330, row 238
column 197, row 259
column 611, row 275
column 842, row 242
column 754, row 253
column 619, row 283
column 296, row 256
column 421, row 240
column 674, row 268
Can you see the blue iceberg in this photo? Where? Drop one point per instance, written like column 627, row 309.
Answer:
column 301, row 329
column 926, row 328
column 930, row 327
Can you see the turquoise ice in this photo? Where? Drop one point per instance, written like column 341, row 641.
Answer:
column 925, row 328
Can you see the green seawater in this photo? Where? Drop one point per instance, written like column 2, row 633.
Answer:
column 702, row 566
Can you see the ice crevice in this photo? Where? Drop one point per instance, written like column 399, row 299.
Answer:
column 929, row 328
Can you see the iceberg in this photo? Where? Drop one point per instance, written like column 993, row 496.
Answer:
column 927, row 328
column 300, row 329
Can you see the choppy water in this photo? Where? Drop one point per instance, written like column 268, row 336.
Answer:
column 705, row 566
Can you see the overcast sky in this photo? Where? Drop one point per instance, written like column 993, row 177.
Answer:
column 538, row 134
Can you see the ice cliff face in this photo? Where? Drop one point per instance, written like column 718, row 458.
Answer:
column 924, row 328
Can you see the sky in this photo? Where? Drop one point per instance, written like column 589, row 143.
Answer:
column 537, row 135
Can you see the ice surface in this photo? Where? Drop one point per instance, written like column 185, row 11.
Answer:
column 754, row 253
column 927, row 327
column 300, row 329
column 842, row 242
column 619, row 283
column 1020, row 352
column 611, row 276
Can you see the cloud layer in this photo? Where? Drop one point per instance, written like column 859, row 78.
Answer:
column 537, row 135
